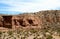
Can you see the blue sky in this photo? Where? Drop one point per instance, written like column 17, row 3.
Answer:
column 21, row 6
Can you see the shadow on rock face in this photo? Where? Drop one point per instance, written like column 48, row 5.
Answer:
column 7, row 21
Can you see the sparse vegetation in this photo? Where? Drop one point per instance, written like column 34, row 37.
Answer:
column 26, row 34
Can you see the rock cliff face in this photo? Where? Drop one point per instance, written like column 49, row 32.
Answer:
column 41, row 19
column 17, row 21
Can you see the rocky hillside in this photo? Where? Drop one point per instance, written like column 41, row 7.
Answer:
column 50, row 18
column 38, row 25
column 42, row 19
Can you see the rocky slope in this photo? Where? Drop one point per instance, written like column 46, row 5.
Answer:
column 42, row 19
column 41, row 25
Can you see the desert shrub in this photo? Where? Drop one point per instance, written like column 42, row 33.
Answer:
column 33, row 30
column 0, row 33
column 22, row 37
column 10, row 32
column 49, row 37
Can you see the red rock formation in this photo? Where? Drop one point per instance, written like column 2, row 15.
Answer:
column 14, row 22
column 25, row 20
column 36, row 20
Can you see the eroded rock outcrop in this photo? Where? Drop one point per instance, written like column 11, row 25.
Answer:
column 42, row 19
column 26, row 20
column 13, row 22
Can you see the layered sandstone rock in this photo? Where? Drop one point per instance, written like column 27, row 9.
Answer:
column 41, row 19
column 26, row 20
column 17, row 21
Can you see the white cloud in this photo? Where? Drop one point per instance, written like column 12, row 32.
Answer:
column 35, row 5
